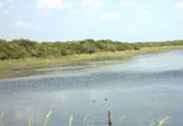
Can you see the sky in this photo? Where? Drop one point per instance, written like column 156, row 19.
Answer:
column 62, row 20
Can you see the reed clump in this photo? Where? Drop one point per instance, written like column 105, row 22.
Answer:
column 48, row 117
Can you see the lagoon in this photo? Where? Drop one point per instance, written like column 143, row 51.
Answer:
column 137, row 91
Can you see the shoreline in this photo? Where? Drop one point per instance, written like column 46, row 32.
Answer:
column 15, row 67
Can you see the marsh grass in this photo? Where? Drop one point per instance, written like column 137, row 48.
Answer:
column 48, row 116
column 12, row 68
column 30, row 122
column 85, row 120
column 2, row 119
column 161, row 122
column 71, row 119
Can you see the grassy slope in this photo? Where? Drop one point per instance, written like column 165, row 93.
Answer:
column 8, row 68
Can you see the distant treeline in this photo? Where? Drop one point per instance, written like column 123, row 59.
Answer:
column 22, row 48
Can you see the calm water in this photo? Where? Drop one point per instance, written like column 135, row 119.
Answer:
column 138, row 92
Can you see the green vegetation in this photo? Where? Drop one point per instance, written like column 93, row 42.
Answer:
column 24, row 55
column 18, row 49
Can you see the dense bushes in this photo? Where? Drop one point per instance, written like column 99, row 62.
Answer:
column 22, row 48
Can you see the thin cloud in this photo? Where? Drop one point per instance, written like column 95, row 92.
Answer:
column 26, row 25
column 66, row 4
column 51, row 4
column 1, row 4
column 92, row 3
column 10, row 1
column 128, row 3
column 7, row 4
column 179, row 4
column 110, row 16
column 5, row 12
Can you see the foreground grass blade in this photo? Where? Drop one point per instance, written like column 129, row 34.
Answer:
column 30, row 122
column 2, row 119
column 70, row 120
column 161, row 122
column 85, row 120
column 47, row 118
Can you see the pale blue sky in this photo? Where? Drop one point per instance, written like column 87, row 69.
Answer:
column 124, row 20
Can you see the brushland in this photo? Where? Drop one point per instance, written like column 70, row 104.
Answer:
column 17, row 55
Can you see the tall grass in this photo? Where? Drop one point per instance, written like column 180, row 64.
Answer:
column 161, row 122
column 71, row 119
column 30, row 122
column 48, row 115
column 47, row 118
column 85, row 120
column 2, row 119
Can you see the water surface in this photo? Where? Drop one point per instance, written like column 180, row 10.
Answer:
column 137, row 92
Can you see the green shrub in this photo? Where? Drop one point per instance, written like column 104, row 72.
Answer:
column 22, row 48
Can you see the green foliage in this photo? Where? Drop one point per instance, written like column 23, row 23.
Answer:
column 22, row 48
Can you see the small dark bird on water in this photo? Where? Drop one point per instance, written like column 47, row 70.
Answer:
column 105, row 99
column 93, row 101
